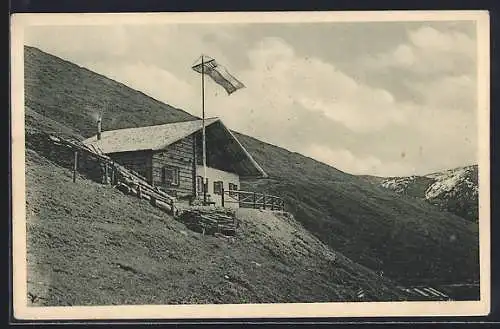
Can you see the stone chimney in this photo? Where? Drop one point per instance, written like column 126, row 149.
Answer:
column 99, row 128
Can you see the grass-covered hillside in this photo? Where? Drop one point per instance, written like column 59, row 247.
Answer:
column 73, row 95
column 89, row 244
column 409, row 240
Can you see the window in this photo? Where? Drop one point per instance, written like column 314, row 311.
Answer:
column 218, row 187
column 170, row 176
column 233, row 187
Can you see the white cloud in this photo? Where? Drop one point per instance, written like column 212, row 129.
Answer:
column 404, row 55
column 77, row 41
column 428, row 51
column 454, row 92
column 152, row 80
column 434, row 41
column 347, row 161
column 279, row 80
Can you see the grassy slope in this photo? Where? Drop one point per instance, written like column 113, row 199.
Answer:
column 70, row 94
column 91, row 244
column 407, row 239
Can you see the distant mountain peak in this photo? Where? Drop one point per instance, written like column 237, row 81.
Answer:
column 454, row 190
column 447, row 182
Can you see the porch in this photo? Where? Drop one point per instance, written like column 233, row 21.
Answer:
column 243, row 199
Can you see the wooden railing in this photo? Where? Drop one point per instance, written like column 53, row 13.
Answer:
column 133, row 183
column 255, row 200
column 114, row 173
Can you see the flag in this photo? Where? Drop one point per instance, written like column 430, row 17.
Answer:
column 218, row 73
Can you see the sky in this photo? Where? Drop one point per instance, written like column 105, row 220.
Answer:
column 375, row 98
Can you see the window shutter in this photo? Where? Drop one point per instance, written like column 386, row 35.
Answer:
column 175, row 176
column 199, row 184
column 165, row 180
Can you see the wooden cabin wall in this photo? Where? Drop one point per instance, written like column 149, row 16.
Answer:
column 139, row 161
column 219, row 154
column 180, row 155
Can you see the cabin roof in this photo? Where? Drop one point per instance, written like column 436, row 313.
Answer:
column 145, row 138
column 159, row 137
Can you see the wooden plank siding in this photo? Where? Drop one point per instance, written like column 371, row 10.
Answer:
column 138, row 161
column 195, row 161
column 218, row 155
column 181, row 156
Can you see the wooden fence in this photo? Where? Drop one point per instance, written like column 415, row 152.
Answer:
column 255, row 200
column 131, row 182
column 112, row 173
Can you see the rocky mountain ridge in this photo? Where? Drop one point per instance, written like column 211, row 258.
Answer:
column 455, row 190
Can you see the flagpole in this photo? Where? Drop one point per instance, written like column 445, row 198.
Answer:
column 205, row 184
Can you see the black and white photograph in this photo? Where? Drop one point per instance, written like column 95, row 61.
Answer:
column 218, row 165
